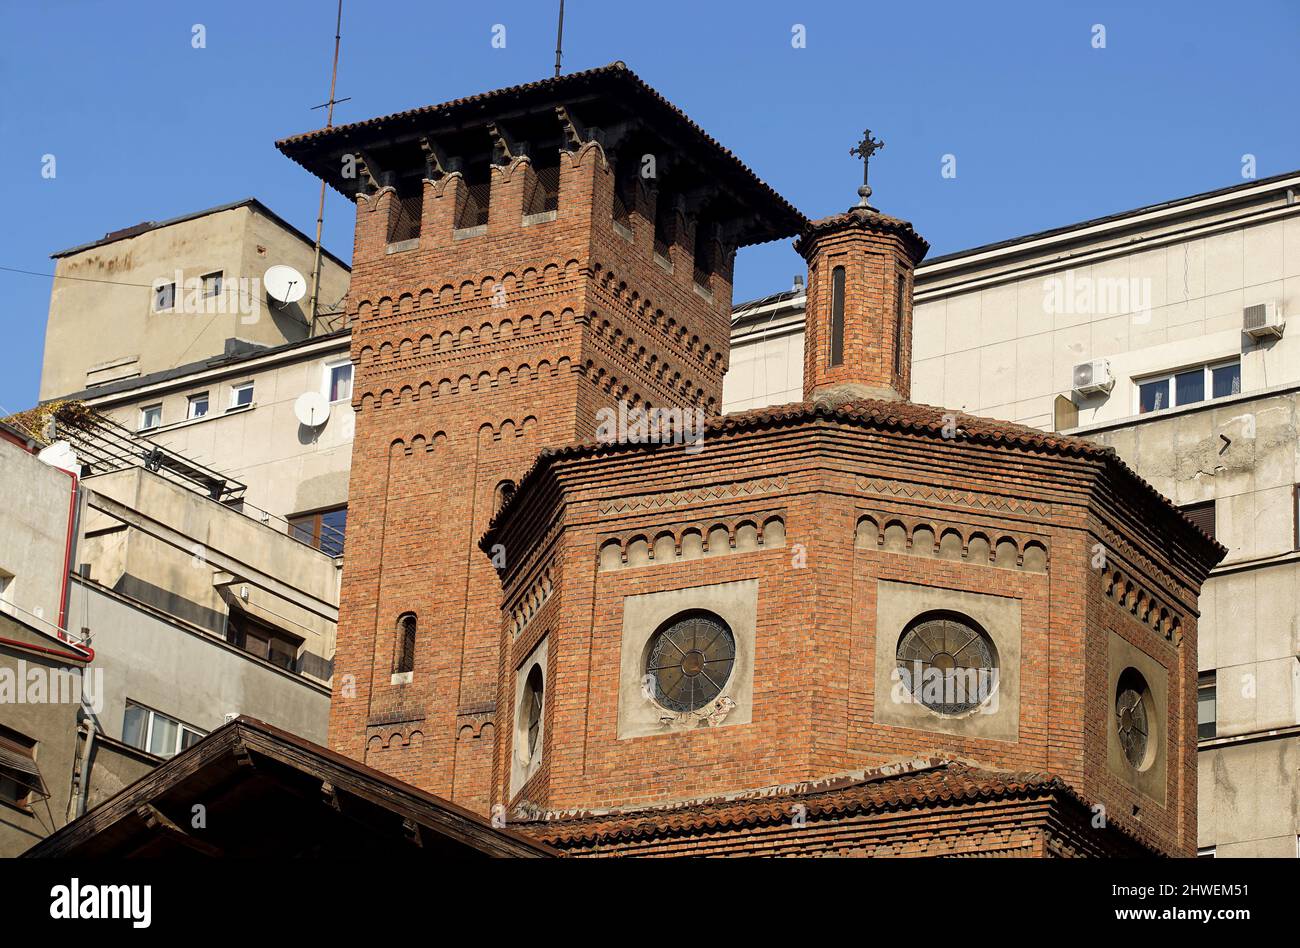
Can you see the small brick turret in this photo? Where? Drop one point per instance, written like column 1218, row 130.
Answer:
column 859, row 336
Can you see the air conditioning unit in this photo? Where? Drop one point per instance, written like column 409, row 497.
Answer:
column 1093, row 377
column 1262, row 319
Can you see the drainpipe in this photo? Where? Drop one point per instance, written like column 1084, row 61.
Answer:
column 84, row 653
column 81, row 770
column 70, row 547
column 87, row 727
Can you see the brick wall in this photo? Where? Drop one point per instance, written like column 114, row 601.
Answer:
column 814, row 692
column 473, row 350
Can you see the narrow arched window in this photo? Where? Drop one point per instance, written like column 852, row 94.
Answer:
column 405, row 658
column 900, row 302
column 837, row 316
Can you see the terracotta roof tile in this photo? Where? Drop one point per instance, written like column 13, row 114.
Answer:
column 909, row 417
column 617, row 71
column 917, row 784
column 867, row 219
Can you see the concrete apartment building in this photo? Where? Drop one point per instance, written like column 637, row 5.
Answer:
column 216, row 386
column 1159, row 332
column 131, row 569
column 175, row 291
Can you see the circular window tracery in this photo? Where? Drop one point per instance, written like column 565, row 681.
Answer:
column 947, row 662
column 690, row 659
column 1134, row 717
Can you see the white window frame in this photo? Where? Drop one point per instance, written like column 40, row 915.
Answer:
column 234, row 395
column 155, row 302
column 328, row 371
column 1207, row 369
column 194, row 400
column 144, row 414
column 181, row 728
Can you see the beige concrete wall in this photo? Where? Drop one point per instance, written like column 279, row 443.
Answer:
column 188, row 674
column 288, row 468
column 180, row 582
column 1001, row 350
column 102, row 326
column 766, row 365
column 52, row 725
column 33, row 534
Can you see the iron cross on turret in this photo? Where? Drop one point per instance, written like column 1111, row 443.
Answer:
column 864, row 150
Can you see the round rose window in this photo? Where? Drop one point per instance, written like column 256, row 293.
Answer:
column 947, row 662
column 690, row 659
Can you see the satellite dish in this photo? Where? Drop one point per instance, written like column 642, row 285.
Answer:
column 312, row 409
column 284, row 284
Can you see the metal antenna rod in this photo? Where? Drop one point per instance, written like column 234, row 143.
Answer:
column 559, row 40
column 320, row 212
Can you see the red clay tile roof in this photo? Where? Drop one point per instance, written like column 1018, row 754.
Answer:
column 907, row 417
column 865, row 219
column 914, row 785
column 632, row 85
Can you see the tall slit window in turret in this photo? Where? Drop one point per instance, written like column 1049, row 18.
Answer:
column 404, row 663
column 404, row 222
column 900, row 294
column 837, row 316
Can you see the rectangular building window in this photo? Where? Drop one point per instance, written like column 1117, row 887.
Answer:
column 323, row 529
column 1189, row 386
column 150, row 417
column 1202, row 515
column 241, row 395
column 837, row 316
column 1206, row 705
column 157, row 733
column 164, row 297
column 198, row 406
column 338, row 381
column 404, row 219
column 20, row 779
column 212, row 284
column 262, row 639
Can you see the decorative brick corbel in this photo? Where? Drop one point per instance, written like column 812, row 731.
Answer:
column 437, row 163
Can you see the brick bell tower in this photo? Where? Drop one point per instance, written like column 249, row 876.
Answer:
column 522, row 259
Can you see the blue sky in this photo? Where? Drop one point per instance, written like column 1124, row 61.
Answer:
column 1046, row 129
